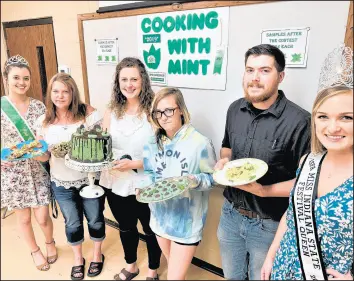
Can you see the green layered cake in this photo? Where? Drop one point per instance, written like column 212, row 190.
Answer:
column 91, row 146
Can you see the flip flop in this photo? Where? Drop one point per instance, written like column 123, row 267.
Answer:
column 78, row 269
column 128, row 275
column 95, row 268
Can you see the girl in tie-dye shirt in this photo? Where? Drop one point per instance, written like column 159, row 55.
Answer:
column 178, row 149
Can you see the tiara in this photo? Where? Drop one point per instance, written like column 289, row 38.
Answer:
column 337, row 69
column 16, row 60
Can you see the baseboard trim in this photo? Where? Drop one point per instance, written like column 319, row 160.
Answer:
column 195, row 261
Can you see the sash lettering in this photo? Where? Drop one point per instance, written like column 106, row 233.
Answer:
column 304, row 197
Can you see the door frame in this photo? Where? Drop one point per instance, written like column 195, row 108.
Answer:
column 29, row 22
column 348, row 40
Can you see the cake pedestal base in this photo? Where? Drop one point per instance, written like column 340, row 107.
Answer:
column 92, row 190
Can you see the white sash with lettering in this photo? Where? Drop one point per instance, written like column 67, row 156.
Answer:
column 305, row 193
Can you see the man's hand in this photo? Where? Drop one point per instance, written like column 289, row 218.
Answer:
column 254, row 188
column 220, row 164
column 338, row 276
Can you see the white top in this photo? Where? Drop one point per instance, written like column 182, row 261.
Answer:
column 129, row 135
column 54, row 134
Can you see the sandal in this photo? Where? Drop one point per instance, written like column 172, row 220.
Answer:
column 128, row 275
column 78, row 269
column 153, row 278
column 95, row 268
column 52, row 259
column 43, row 267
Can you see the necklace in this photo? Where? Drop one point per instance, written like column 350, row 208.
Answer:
column 66, row 125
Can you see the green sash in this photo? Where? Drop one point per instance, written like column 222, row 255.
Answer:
column 20, row 124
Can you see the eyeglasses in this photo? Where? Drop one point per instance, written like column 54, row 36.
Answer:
column 168, row 112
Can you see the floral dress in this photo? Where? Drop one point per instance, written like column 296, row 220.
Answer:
column 26, row 184
column 334, row 220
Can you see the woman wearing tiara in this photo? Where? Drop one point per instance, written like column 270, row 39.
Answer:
column 314, row 240
column 64, row 115
column 25, row 183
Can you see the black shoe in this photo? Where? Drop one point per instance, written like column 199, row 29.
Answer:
column 78, row 269
column 95, row 268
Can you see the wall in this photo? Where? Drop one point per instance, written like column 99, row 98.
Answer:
column 66, row 32
column 300, row 84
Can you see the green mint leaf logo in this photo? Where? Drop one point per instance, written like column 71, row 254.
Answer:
column 296, row 58
column 100, row 58
column 153, row 57
column 106, row 58
column 114, row 58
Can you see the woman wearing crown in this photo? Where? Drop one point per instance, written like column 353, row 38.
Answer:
column 25, row 183
column 314, row 240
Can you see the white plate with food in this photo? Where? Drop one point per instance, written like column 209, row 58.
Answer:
column 241, row 171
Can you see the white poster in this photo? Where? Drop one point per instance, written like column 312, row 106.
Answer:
column 106, row 51
column 186, row 49
column 293, row 42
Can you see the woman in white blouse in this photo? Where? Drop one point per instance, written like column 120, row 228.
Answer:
column 127, row 120
column 65, row 113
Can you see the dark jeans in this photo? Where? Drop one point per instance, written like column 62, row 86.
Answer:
column 127, row 211
column 74, row 207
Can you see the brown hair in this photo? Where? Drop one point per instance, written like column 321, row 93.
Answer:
column 322, row 96
column 77, row 107
column 118, row 100
column 163, row 93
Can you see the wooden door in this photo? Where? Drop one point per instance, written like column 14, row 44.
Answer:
column 2, row 86
column 34, row 40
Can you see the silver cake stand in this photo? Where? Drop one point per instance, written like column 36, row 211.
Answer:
column 92, row 190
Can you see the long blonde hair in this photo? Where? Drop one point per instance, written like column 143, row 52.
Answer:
column 322, row 96
column 77, row 108
column 185, row 117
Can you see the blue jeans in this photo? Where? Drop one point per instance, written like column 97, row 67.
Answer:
column 73, row 208
column 244, row 243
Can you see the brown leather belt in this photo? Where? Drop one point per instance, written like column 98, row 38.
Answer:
column 247, row 213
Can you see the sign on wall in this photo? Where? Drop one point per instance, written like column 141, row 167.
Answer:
column 293, row 42
column 106, row 51
column 185, row 49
